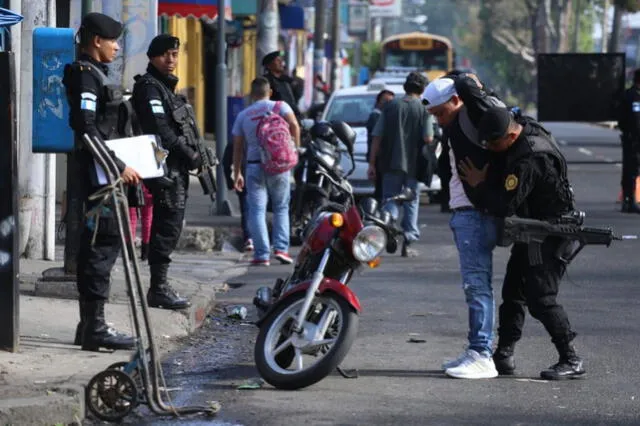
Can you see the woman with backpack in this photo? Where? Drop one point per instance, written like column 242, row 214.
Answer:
column 265, row 140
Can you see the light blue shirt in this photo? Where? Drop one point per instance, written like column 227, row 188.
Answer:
column 246, row 125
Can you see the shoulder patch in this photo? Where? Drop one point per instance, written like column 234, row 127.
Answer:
column 88, row 101
column 156, row 106
column 511, row 182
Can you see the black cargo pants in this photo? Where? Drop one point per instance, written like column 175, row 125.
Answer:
column 537, row 288
column 630, row 164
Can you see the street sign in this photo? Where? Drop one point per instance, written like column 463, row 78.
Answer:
column 385, row 8
column 358, row 19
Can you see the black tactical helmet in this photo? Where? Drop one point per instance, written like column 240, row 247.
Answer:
column 323, row 130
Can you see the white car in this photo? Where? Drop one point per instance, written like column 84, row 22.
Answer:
column 353, row 105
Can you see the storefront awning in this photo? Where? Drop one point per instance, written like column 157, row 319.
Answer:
column 197, row 8
column 291, row 17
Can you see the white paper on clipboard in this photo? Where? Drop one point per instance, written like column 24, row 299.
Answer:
column 139, row 153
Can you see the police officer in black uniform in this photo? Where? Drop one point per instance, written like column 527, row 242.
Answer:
column 527, row 177
column 281, row 84
column 94, row 104
column 629, row 124
column 167, row 115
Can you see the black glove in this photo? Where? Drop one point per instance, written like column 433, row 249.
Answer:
column 191, row 156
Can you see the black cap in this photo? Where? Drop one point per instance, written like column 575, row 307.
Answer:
column 269, row 57
column 494, row 124
column 101, row 25
column 161, row 43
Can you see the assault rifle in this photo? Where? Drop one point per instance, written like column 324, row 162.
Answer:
column 569, row 228
column 186, row 118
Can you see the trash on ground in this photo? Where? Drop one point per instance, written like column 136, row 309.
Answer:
column 416, row 340
column 255, row 383
column 238, row 312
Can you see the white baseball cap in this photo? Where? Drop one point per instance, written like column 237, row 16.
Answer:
column 439, row 92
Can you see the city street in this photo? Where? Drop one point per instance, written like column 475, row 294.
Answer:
column 400, row 382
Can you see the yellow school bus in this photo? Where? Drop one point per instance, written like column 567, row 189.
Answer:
column 429, row 53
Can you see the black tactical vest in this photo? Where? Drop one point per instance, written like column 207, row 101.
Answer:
column 115, row 117
column 557, row 198
column 181, row 113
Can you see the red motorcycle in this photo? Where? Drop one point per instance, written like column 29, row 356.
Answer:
column 309, row 321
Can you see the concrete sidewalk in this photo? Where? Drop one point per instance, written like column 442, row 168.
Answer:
column 43, row 383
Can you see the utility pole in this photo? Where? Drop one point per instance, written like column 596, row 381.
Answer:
column 576, row 26
column 605, row 25
column 335, row 35
column 614, row 41
column 268, row 25
column 318, row 42
column 222, row 205
column 37, row 183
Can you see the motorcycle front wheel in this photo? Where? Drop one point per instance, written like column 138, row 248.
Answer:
column 290, row 360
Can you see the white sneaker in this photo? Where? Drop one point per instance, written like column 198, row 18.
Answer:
column 455, row 362
column 475, row 366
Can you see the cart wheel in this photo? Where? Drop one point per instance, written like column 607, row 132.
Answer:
column 111, row 395
column 135, row 375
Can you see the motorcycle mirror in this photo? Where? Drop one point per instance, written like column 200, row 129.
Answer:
column 345, row 133
column 392, row 245
column 307, row 123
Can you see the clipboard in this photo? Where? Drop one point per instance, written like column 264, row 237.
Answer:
column 141, row 153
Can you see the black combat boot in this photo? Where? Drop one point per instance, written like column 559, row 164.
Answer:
column 568, row 367
column 83, row 320
column 160, row 294
column 503, row 359
column 629, row 205
column 144, row 251
column 97, row 334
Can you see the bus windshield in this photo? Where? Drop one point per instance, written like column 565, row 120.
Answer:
column 428, row 60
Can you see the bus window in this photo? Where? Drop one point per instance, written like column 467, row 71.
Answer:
column 428, row 60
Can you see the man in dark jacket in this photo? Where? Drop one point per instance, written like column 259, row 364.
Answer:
column 91, row 113
column 281, row 84
column 527, row 177
column 402, row 130
column 458, row 102
column 158, row 108
column 383, row 97
column 629, row 124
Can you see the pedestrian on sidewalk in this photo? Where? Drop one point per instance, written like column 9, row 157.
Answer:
column 281, row 84
column 402, row 130
column 527, row 177
column 100, row 243
column 156, row 104
column 458, row 102
column 251, row 157
column 145, row 212
column 227, row 163
column 383, row 97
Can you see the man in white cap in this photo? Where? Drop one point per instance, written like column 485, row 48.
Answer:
column 458, row 103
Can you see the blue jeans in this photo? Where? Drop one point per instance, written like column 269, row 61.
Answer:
column 260, row 188
column 475, row 237
column 392, row 184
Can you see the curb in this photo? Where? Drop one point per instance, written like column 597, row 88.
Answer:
column 64, row 405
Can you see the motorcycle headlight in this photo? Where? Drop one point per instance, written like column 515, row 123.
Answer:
column 369, row 243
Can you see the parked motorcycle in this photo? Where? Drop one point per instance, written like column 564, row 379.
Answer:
column 309, row 321
column 312, row 190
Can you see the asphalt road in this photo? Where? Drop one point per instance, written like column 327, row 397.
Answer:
column 400, row 382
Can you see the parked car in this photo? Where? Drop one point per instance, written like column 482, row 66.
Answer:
column 353, row 106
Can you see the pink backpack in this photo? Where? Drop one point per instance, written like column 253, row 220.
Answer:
column 279, row 153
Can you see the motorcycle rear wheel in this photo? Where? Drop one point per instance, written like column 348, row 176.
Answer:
column 275, row 367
